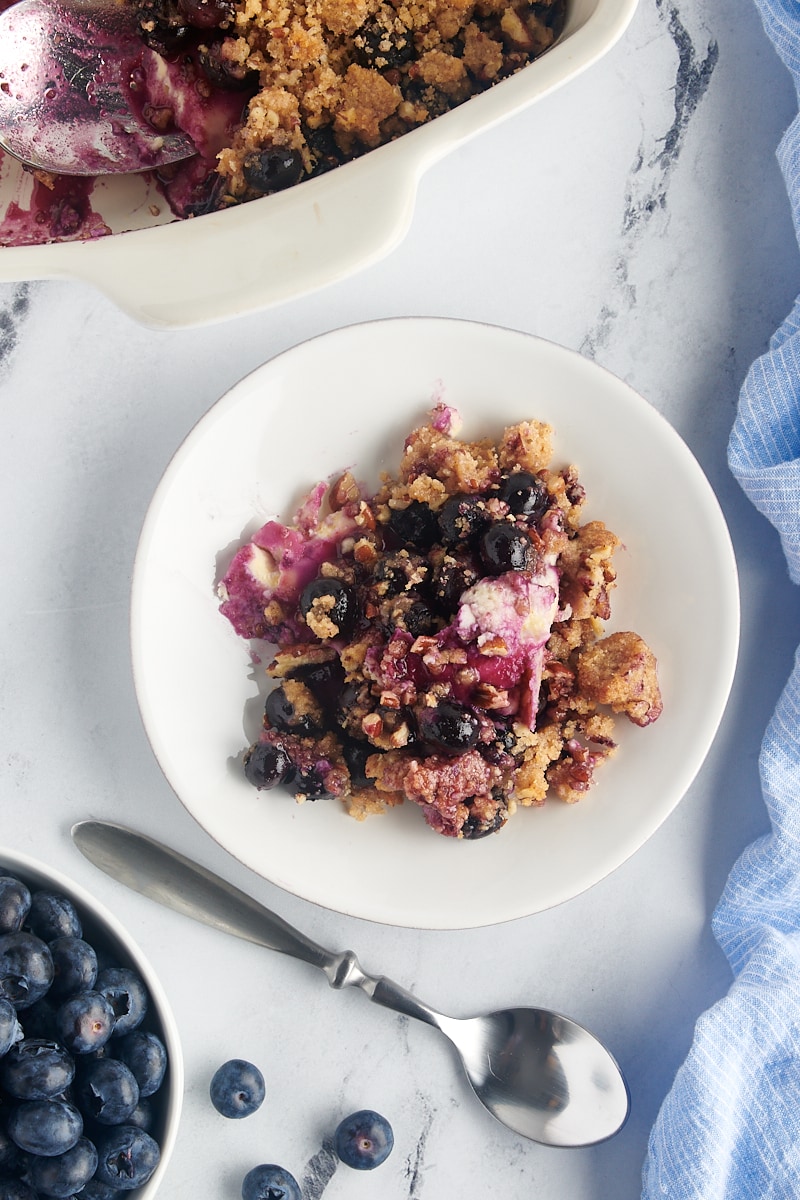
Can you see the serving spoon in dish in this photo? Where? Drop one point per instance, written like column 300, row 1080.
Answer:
column 67, row 104
column 541, row 1074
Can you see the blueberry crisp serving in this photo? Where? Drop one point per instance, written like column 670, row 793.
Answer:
column 440, row 640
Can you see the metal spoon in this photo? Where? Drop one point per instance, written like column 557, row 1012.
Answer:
column 541, row 1074
column 66, row 101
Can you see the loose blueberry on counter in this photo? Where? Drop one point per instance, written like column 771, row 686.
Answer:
column 267, row 765
column 74, row 966
column 45, row 1127
column 146, row 1056
column 363, row 1140
column 127, row 995
column 63, row 1175
column 127, row 1157
column 53, row 915
column 503, row 548
column 35, row 1069
column 526, row 495
column 10, row 1028
column 416, row 526
column 449, row 726
column 106, row 1090
column 15, row 902
column 270, row 1182
column 85, row 1022
column 237, row 1089
column 26, row 968
column 341, row 603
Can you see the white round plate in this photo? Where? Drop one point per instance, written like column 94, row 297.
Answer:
column 347, row 399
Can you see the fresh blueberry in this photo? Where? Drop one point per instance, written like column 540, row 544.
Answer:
column 237, row 1088
column 106, row 1090
column 526, row 495
column 11, row 1157
column 266, row 764
column 449, row 726
column 53, row 915
column 26, row 968
column 15, row 1189
column 74, row 966
column 363, row 1140
column 95, row 1190
column 10, row 1028
column 503, row 548
column 85, row 1022
column 37, row 1070
column 62, row 1175
column 39, row 1021
column 331, row 604
column 146, row 1056
column 417, row 525
column 143, row 1116
column 45, row 1127
column 15, row 902
column 127, row 995
column 269, row 1182
column 127, row 1157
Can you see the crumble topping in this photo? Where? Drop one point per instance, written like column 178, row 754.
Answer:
column 441, row 641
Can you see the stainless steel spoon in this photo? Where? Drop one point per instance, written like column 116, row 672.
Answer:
column 541, row 1074
column 66, row 101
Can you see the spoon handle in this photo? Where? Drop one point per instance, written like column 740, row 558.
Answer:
column 169, row 878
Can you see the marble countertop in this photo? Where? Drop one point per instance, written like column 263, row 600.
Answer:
column 637, row 215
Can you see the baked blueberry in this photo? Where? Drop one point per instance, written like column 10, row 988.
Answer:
column 45, row 1126
column 64, row 1175
column 15, row 902
column 36, row 1070
column 525, row 494
column 448, row 726
column 26, row 968
column 127, row 1157
column 270, row 1182
column 416, row 526
column 503, row 548
column 329, row 607
column 462, row 519
column 237, row 1088
column 273, row 169
column 266, row 765
column 206, row 14
column 280, row 713
column 363, row 1140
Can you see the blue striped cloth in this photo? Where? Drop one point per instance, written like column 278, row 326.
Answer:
column 729, row 1128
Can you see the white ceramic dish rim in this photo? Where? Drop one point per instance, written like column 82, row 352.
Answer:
column 32, row 870
column 162, row 590
column 296, row 242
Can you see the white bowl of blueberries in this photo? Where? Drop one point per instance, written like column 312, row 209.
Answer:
column 91, row 1073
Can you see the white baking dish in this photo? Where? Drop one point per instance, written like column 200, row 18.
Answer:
column 293, row 242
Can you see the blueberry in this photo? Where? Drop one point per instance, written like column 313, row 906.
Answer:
column 462, row 519
column 15, row 902
column 310, row 782
column 74, row 966
column 10, row 1028
column 363, row 1140
column 63, row 1175
column 269, row 1182
column 39, row 1021
column 85, row 1022
column 95, row 1190
column 451, row 578
column 143, row 1116
column 280, row 713
column 127, row 995
column 11, row 1157
column 324, row 680
column 416, row 526
column 53, row 915
column 127, row 1157
column 503, row 548
column 106, row 1090
column 35, row 1069
column 526, row 495
column 146, row 1056
column 15, row 1189
column 449, row 726
column 45, row 1127
column 206, row 14
column 331, row 606
column 267, row 764
column 223, row 73
column 26, row 968
column 273, row 169
column 355, row 755
column 237, row 1088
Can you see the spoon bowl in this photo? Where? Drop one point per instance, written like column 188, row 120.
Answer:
column 539, row 1073
column 67, row 104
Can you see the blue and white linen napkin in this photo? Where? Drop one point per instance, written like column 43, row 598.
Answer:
column 730, row 1127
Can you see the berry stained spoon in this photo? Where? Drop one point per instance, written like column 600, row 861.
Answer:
column 73, row 99
column 541, row 1074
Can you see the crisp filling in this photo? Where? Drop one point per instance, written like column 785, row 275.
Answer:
column 441, row 640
